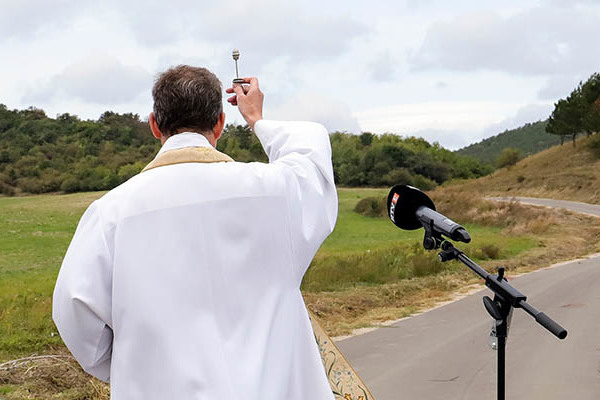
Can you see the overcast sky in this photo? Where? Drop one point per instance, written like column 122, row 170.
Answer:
column 453, row 72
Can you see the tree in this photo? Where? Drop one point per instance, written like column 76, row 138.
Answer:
column 579, row 112
column 565, row 120
column 590, row 94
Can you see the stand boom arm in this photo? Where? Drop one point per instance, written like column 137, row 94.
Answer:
column 544, row 320
column 502, row 288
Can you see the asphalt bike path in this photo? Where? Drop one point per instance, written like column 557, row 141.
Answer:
column 444, row 353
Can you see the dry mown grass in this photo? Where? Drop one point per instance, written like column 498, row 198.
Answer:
column 347, row 310
column 49, row 377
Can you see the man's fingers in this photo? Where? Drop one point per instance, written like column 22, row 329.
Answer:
column 232, row 89
column 254, row 83
column 239, row 91
column 252, row 80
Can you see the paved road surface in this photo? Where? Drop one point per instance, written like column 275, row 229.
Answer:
column 443, row 354
column 583, row 208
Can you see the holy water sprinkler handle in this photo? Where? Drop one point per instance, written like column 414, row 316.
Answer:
column 236, row 57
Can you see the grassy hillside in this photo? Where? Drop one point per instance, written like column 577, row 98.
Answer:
column 530, row 139
column 561, row 172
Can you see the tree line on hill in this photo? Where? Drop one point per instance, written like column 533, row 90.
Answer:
column 502, row 149
column 384, row 160
column 39, row 154
column 579, row 112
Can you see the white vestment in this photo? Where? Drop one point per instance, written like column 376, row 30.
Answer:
column 184, row 282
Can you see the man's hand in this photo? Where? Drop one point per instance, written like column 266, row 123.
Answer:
column 249, row 100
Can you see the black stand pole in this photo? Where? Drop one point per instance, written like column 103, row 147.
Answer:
column 501, row 311
column 501, row 363
column 501, row 307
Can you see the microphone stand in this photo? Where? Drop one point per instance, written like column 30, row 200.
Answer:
column 506, row 298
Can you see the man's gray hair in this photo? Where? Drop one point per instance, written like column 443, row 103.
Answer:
column 187, row 97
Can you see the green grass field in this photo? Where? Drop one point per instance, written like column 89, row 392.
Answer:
column 357, row 233
column 34, row 235
column 36, row 231
column 371, row 250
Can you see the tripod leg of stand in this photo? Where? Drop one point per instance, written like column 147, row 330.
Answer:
column 501, row 366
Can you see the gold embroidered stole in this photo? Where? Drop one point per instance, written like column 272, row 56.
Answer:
column 187, row 155
column 344, row 381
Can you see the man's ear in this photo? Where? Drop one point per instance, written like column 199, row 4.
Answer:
column 154, row 127
column 218, row 128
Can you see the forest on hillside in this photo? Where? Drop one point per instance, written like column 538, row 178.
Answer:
column 529, row 139
column 39, row 154
column 578, row 113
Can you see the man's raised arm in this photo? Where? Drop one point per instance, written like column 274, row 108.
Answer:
column 302, row 152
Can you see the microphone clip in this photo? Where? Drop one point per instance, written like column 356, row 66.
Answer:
column 432, row 239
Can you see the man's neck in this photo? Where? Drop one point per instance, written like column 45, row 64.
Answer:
column 193, row 130
column 207, row 134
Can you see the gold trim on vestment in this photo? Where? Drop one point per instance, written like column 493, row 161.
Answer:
column 187, row 155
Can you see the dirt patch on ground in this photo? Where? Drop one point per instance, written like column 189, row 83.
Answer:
column 51, row 376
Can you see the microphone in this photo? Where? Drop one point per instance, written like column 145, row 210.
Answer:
column 410, row 209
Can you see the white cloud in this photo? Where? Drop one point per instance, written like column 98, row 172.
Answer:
column 541, row 40
column 26, row 18
column 529, row 113
column 455, row 137
column 450, row 139
column 571, row 3
column 156, row 23
column 383, row 67
column 560, row 86
column 260, row 28
column 357, row 53
column 453, row 124
column 274, row 28
column 334, row 114
column 96, row 79
column 412, row 118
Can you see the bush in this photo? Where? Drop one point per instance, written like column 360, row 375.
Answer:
column 372, row 207
column 6, row 189
column 423, row 183
column 490, row 251
column 425, row 264
column 509, row 157
column 128, row 171
column 31, row 185
column 70, row 185
column 593, row 145
column 398, row 176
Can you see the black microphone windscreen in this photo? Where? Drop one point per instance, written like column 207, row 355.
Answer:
column 402, row 204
